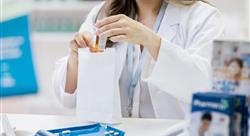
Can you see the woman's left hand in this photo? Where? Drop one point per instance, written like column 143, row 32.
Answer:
column 120, row 28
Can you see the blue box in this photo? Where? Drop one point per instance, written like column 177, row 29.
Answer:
column 87, row 130
column 223, row 114
column 211, row 115
column 16, row 64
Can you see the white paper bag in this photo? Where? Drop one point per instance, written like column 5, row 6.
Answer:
column 98, row 96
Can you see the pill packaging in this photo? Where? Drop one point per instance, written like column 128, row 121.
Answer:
column 102, row 42
column 228, row 114
column 89, row 130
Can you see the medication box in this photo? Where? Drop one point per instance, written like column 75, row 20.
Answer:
column 231, row 69
column 89, row 130
column 211, row 115
column 218, row 114
column 17, row 71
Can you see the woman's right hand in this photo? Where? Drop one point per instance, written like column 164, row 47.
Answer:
column 81, row 40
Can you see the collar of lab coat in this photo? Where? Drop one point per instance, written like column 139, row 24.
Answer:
column 170, row 22
column 168, row 29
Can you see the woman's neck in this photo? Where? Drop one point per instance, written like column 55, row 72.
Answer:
column 148, row 6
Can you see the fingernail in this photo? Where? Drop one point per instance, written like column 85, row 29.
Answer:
column 97, row 24
column 97, row 32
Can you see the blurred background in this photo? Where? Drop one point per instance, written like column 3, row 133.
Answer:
column 52, row 25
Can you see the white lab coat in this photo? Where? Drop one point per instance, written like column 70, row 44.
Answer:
column 182, row 66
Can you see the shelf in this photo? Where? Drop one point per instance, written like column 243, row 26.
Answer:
column 12, row 8
column 51, row 37
column 64, row 5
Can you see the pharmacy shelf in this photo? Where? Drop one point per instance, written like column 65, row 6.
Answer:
column 58, row 15
column 52, row 37
column 63, row 5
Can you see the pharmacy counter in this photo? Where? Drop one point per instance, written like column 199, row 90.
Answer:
column 132, row 126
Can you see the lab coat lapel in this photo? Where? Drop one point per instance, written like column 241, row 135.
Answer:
column 121, row 51
column 167, row 30
column 170, row 22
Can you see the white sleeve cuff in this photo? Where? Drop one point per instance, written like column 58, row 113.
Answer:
column 179, row 73
column 59, row 81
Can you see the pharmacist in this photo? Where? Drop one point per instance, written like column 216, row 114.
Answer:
column 166, row 48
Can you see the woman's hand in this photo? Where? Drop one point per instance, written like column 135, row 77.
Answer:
column 81, row 40
column 120, row 28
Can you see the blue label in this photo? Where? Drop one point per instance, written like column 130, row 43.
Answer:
column 17, row 71
column 210, row 102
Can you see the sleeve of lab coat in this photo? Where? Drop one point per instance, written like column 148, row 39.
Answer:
column 59, row 80
column 59, row 77
column 182, row 71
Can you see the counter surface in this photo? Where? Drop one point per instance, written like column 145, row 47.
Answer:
column 132, row 126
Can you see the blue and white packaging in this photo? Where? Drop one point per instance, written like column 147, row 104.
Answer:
column 16, row 62
column 248, row 113
column 231, row 68
column 240, row 117
column 211, row 115
column 240, row 113
column 211, row 109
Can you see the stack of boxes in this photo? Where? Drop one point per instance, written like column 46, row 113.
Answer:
column 224, row 111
